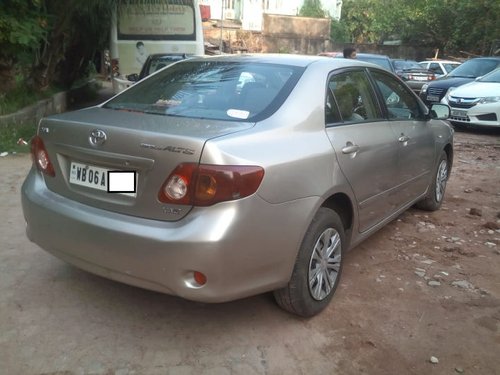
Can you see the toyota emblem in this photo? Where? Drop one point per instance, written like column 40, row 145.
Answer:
column 97, row 137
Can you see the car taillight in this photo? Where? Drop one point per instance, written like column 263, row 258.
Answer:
column 205, row 185
column 40, row 156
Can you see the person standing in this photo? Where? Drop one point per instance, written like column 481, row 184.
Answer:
column 141, row 54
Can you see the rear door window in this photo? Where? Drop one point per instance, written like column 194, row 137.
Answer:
column 350, row 98
column 401, row 104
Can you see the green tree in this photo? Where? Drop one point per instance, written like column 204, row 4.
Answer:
column 78, row 29
column 339, row 32
column 450, row 25
column 24, row 24
column 52, row 41
column 312, row 8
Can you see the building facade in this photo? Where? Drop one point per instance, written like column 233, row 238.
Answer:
column 250, row 12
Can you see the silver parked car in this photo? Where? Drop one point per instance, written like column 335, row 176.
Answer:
column 241, row 175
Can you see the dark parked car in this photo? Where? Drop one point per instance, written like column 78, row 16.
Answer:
column 224, row 177
column 380, row 60
column 435, row 91
column 156, row 62
column 414, row 75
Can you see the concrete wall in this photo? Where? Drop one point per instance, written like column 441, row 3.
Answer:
column 281, row 34
column 287, row 34
column 33, row 113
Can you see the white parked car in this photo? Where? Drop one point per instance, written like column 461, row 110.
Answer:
column 476, row 103
column 439, row 67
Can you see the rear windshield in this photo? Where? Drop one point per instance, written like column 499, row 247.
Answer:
column 221, row 90
column 406, row 64
column 384, row 63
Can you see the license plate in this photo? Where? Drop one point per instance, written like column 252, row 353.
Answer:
column 432, row 98
column 95, row 177
column 420, row 78
column 458, row 113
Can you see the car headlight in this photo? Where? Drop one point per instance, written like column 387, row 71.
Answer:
column 489, row 99
column 423, row 90
column 448, row 93
column 450, row 90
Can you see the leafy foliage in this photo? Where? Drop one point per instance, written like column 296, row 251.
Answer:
column 451, row 25
column 23, row 26
column 339, row 32
column 312, row 8
column 11, row 133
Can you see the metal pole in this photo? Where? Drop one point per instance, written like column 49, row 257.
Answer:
column 221, row 18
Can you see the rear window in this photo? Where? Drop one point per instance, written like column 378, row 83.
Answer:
column 380, row 61
column 160, row 62
column 220, row 90
column 406, row 64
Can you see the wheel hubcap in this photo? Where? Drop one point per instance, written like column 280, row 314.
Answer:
column 324, row 265
column 441, row 178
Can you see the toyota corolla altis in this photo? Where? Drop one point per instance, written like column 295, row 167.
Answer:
column 225, row 177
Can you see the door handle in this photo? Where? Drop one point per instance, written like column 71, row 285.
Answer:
column 350, row 148
column 403, row 138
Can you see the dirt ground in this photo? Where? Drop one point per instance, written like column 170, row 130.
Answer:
column 427, row 285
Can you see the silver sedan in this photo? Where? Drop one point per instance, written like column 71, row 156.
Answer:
column 225, row 177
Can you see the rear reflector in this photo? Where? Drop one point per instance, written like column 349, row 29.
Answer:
column 199, row 278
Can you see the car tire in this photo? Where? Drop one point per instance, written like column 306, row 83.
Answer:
column 320, row 259
column 435, row 193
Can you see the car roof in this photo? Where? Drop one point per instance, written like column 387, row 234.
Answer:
column 403, row 60
column 372, row 55
column 360, row 54
column 288, row 59
column 440, row 61
column 495, row 58
column 332, row 54
column 167, row 54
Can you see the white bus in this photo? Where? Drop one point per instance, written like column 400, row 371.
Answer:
column 138, row 30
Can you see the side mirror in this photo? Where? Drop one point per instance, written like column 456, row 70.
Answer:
column 133, row 77
column 392, row 99
column 439, row 112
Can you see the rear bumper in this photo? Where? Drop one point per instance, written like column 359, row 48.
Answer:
column 240, row 253
column 416, row 85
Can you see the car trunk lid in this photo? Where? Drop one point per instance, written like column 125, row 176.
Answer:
column 92, row 146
